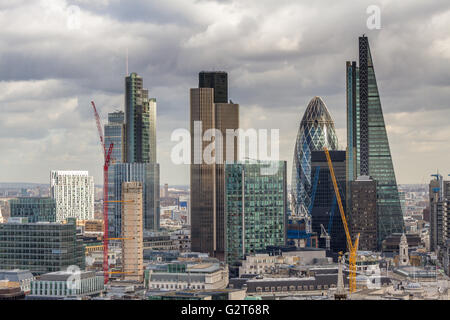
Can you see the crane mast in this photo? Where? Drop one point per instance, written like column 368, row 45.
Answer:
column 107, row 158
column 352, row 247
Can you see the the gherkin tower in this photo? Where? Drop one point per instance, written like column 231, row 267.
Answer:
column 315, row 132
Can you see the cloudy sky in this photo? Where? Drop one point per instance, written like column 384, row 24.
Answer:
column 57, row 55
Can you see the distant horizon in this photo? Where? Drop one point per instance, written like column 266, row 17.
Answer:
column 162, row 185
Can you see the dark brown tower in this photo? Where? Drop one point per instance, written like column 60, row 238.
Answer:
column 207, row 180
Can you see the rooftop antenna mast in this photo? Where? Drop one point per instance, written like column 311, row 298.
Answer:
column 126, row 64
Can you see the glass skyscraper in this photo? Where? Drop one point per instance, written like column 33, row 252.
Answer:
column 316, row 131
column 139, row 155
column 115, row 133
column 148, row 174
column 368, row 145
column 34, row 208
column 140, row 116
column 255, row 208
column 325, row 209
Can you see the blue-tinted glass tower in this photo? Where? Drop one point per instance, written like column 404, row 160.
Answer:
column 148, row 174
column 315, row 132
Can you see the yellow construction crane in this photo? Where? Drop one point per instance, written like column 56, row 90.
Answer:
column 352, row 247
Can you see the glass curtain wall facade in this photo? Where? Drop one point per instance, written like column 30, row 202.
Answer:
column 140, row 116
column 40, row 247
column 140, row 156
column 368, row 144
column 256, row 208
column 35, row 209
column 325, row 209
column 115, row 133
column 316, row 131
column 146, row 173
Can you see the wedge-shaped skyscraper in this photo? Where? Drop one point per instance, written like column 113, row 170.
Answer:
column 368, row 145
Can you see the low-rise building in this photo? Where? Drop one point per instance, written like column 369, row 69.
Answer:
column 390, row 245
column 262, row 263
column 10, row 291
column 223, row 294
column 179, row 275
column 179, row 241
column 62, row 284
column 21, row 277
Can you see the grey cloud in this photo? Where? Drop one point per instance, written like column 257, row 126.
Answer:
column 279, row 54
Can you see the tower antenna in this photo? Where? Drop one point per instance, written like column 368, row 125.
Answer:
column 126, row 64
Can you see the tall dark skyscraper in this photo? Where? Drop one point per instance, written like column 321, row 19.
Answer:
column 140, row 116
column 325, row 209
column 139, row 158
column 364, row 212
column 218, row 80
column 439, row 193
column 368, row 145
column 207, row 180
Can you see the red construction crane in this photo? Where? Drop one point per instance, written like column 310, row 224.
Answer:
column 107, row 157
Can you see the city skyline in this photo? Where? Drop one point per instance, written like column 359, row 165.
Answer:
column 252, row 150
column 49, row 125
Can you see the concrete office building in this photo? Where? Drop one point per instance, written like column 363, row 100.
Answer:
column 255, row 208
column 363, row 212
column 34, row 208
column 73, row 192
column 209, row 110
column 265, row 263
column 57, row 285
column 40, row 247
column 180, row 275
column 439, row 193
column 132, row 231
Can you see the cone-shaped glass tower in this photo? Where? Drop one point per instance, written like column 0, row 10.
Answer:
column 315, row 132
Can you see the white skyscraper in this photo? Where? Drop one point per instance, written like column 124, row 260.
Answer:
column 73, row 192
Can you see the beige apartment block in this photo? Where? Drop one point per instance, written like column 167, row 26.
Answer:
column 132, row 232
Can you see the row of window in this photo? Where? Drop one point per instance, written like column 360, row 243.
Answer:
column 294, row 288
